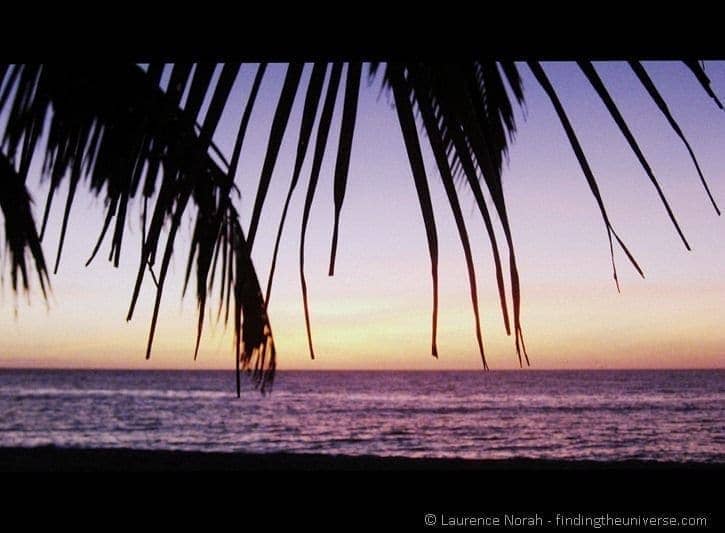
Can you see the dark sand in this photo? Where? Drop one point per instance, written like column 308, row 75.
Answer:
column 300, row 492
column 50, row 458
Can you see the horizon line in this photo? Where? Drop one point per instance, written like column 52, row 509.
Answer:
column 418, row 370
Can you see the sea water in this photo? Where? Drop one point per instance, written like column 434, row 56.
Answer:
column 601, row 415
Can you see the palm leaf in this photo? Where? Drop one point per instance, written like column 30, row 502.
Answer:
column 598, row 85
column 314, row 91
column 109, row 123
column 347, row 128
column 586, row 169
column 657, row 99
column 439, row 151
column 410, row 136
column 473, row 128
column 114, row 130
column 323, row 130
column 21, row 235
column 279, row 125
column 458, row 145
column 703, row 79
column 225, row 233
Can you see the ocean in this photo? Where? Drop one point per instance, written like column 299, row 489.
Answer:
column 602, row 415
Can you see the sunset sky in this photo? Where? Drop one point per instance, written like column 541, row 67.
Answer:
column 375, row 312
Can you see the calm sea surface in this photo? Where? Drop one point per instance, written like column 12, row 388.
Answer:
column 602, row 415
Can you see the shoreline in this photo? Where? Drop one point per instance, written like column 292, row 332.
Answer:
column 60, row 459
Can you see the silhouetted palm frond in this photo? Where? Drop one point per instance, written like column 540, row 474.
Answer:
column 21, row 234
column 113, row 129
column 116, row 128
column 469, row 120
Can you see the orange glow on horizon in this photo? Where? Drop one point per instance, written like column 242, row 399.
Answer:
column 561, row 330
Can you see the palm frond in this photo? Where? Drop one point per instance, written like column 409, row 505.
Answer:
column 598, row 85
column 116, row 128
column 347, row 128
column 21, row 235
column 446, row 174
column 113, row 130
column 312, row 100
column 279, row 125
column 476, row 123
column 323, row 130
column 700, row 75
column 586, row 169
column 649, row 85
column 401, row 93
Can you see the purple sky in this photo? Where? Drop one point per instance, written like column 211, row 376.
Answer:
column 375, row 312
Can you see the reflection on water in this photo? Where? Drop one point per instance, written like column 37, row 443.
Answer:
column 602, row 415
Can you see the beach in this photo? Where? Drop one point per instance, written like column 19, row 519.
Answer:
column 377, row 450
column 52, row 458
column 256, row 492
